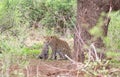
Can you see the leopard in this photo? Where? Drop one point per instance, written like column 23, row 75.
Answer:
column 58, row 46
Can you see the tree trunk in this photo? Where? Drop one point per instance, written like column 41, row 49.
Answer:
column 88, row 13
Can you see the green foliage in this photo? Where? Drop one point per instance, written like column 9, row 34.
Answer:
column 107, row 42
column 59, row 12
column 11, row 48
column 33, row 50
column 50, row 13
column 29, row 51
column 9, row 15
column 112, row 41
column 113, row 54
column 114, row 31
column 97, row 30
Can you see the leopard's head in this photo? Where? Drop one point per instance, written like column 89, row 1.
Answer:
column 49, row 39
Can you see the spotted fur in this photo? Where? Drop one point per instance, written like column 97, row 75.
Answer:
column 58, row 46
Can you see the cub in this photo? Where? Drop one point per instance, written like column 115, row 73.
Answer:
column 58, row 46
column 44, row 53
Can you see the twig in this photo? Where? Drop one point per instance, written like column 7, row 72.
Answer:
column 79, row 64
column 70, row 59
column 79, row 35
column 37, row 71
column 94, row 49
column 27, row 71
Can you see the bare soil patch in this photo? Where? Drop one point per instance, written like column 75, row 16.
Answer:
column 41, row 68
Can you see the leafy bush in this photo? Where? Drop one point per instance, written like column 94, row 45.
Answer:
column 49, row 13
column 114, row 31
column 9, row 14
column 112, row 40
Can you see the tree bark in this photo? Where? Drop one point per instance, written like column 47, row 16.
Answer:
column 88, row 13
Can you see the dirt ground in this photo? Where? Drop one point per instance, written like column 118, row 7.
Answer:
column 54, row 68
column 42, row 68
